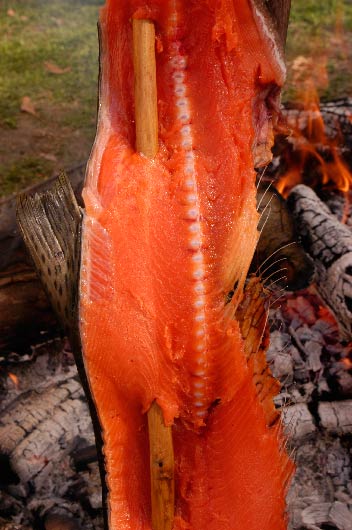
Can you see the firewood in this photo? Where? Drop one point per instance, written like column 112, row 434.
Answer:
column 35, row 421
column 6, row 525
column 336, row 417
column 278, row 251
column 298, row 421
column 329, row 243
column 336, row 116
column 326, row 513
column 84, row 456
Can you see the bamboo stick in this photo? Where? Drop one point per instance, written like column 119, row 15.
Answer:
column 146, row 116
column 145, row 95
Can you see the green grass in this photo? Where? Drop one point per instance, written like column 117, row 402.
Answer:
column 61, row 32
column 22, row 171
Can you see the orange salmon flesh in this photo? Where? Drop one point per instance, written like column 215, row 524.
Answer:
column 164, row 241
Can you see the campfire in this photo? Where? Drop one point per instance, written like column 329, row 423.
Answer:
column 50, row 477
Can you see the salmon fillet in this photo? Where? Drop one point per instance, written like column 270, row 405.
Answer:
column 164, row 241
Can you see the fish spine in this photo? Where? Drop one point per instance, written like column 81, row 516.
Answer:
column 192, row 218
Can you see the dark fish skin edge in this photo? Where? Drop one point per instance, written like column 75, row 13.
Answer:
column 37, row 228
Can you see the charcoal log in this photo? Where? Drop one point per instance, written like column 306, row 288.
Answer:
column 335, row 416
column 329, row 243
column 339, row 203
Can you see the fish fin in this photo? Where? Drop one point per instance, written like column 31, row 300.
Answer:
column 50, row 224
column 97, row 269
column 252, row 316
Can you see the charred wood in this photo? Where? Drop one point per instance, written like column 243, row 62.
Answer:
column 329, row 243
column 336, row 416
column 44, row 420
column 334, row 115
column 339, row 203
column 278, row 251
column 85, row 455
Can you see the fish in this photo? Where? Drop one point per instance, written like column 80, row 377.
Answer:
column 160, row 244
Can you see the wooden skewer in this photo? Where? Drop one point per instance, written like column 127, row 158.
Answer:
column 161, row 470
column 145, row 95
column 146, row 116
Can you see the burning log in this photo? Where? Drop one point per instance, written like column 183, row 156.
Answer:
column 329, row 243
column 335, row 116
column 319, row 148
column 44, row 421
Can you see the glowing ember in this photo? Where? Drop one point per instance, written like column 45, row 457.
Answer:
column 347, row 362
column 14, row 379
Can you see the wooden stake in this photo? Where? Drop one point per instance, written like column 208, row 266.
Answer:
column 145, row 95
column 161, row 470
column 160, row 437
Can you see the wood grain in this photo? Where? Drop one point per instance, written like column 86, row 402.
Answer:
column 146, row 113
column 161, row 470
column 146, row 116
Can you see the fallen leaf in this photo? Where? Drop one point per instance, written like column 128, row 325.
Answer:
column 58, row 21
column 27, row 105
column 48, row 156
column 11, row 12
column 55, row 69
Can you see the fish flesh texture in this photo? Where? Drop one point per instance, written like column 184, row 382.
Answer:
column 164, row 242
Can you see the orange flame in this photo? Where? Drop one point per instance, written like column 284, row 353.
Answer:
column 314, row 158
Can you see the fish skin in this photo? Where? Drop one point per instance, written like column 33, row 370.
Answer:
column 50, row 224
column 276, row 14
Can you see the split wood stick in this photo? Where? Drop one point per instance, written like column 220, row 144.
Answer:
column 145, row 95
column 161, row 470
column 146, row 116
